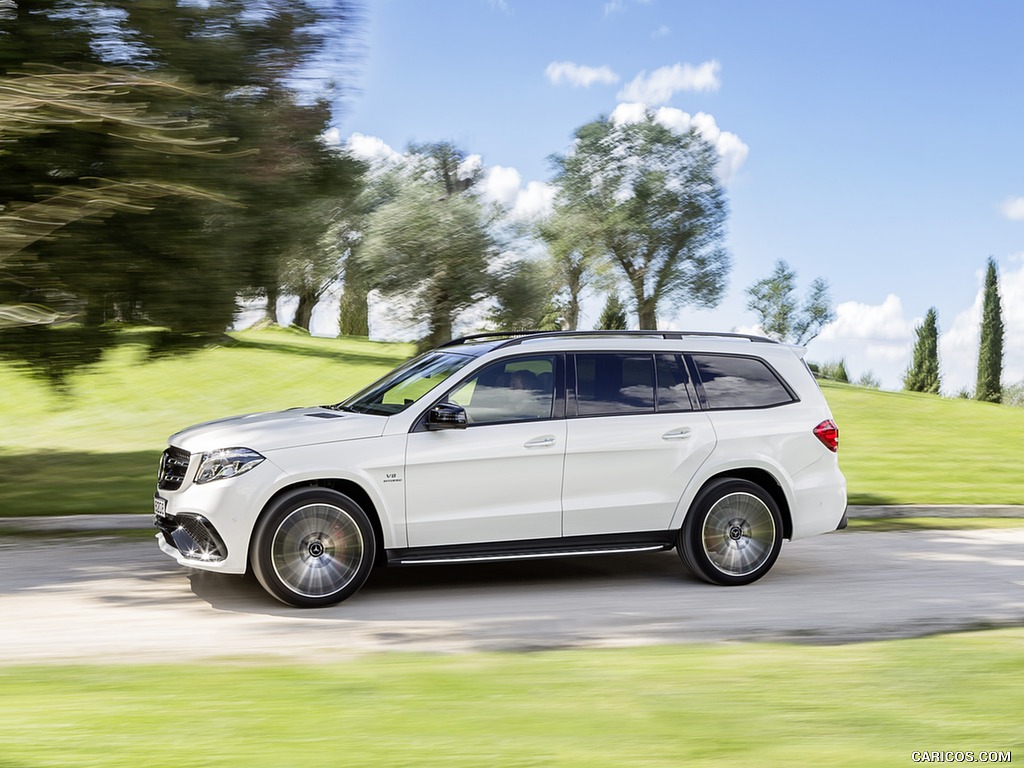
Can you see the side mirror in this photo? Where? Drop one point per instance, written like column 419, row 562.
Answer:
column 446, row 416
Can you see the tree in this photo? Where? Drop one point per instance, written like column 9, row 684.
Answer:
column 990, row 353
column 656, row 206
column 524, row 299
column 613, row 316
column 431, row 245
column 178, row 260
column 923, row 375
column 573, row 248
column 773, row 300
column 48, row 279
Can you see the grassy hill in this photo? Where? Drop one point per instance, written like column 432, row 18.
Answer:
column 95, row 448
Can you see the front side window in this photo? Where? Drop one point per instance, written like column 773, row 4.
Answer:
column 406, row 384
column 518, row 389
column 609, row 384
column 740, row 382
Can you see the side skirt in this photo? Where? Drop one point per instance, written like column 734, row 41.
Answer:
column 532, row 549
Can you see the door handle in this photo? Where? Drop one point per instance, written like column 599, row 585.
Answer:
column 682, row 433
column 540, row 442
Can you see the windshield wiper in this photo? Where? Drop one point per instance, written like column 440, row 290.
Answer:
column 339, row 407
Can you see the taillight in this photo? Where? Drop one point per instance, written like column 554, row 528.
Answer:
column 828, row 433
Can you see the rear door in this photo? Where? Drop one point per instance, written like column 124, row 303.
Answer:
column 635, row 438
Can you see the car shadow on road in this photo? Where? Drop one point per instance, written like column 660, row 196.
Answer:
column 388, row 587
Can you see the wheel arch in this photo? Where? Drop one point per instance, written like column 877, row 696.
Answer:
column 760, row 477
column 350, row 488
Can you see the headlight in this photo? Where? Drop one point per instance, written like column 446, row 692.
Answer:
column 229, row 462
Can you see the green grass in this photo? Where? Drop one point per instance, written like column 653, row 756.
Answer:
column 909, row 448
column 741, row 705
column 95, row 448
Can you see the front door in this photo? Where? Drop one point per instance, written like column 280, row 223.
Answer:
column 500, row 478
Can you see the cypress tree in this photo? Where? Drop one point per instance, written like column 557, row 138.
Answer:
column 923, row 375
column 990, row 354
column 613, row 317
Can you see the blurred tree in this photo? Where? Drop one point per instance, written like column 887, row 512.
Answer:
column 923, row 374
column 524, row 298
column 653, row 200
column 990, row 353
column 573, row 248
column 43, row 280
column 613, row 316
column 834, row 370
column 180, row 261
column 774, row 302
column 380, row 186
column 1013, row 395
column 432, row 243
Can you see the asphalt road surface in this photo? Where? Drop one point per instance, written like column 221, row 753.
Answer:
column 121, row 600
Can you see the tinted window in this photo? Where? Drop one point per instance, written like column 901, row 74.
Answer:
column 673, row 392
column 740, row 382
column 610, row 384
column 519, row 389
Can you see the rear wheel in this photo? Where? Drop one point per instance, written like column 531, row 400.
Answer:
column 314, row 547
column 732, row 534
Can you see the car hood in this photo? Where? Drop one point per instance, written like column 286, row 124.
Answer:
column 279, row 429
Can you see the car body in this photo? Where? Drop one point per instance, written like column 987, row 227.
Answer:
column 516, row 446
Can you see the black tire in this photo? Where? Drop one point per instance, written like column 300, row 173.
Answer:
column 732, row 534
column 313, row 547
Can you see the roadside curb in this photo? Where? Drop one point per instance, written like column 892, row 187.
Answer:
column 108, row 523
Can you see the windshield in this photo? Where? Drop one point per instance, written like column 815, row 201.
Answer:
column 406, row 384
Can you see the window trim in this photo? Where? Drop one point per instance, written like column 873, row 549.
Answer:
column 557, row 406
column 572, row 400
column 702, row 394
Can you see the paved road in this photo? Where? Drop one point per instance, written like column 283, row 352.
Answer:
column 119, row 599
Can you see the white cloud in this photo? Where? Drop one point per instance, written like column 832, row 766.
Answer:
column 883, row 322
column 732, row 151
column 662, row 31
column 502, row 185
column 614, row 6
column 469, row 166
column 534, row 202
column 578, row 75
column 1013, row 209
column 870, row 337
column 663, row 83
column 372, row 150
column 331, row 137
column 505, row 186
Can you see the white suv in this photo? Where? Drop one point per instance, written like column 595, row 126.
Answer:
column 516, row 446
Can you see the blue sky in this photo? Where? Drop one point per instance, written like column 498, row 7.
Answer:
column 873, row 144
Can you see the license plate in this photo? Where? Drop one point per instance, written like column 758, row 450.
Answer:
column 159, row 506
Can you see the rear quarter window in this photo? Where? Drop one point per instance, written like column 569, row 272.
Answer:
column 740, row 382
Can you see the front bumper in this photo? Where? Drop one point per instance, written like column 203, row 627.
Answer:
column 190, row 539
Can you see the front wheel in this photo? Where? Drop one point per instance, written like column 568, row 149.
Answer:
column 313, row 547
column 732, row 534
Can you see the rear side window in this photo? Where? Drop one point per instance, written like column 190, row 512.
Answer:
column 740, row 382
column 608, row 384
column 673, row 392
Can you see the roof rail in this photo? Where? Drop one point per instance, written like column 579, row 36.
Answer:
column 518, row 337
column 487, row 335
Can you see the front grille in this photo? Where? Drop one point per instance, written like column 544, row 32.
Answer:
column 173, row 466
column 193, row 536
